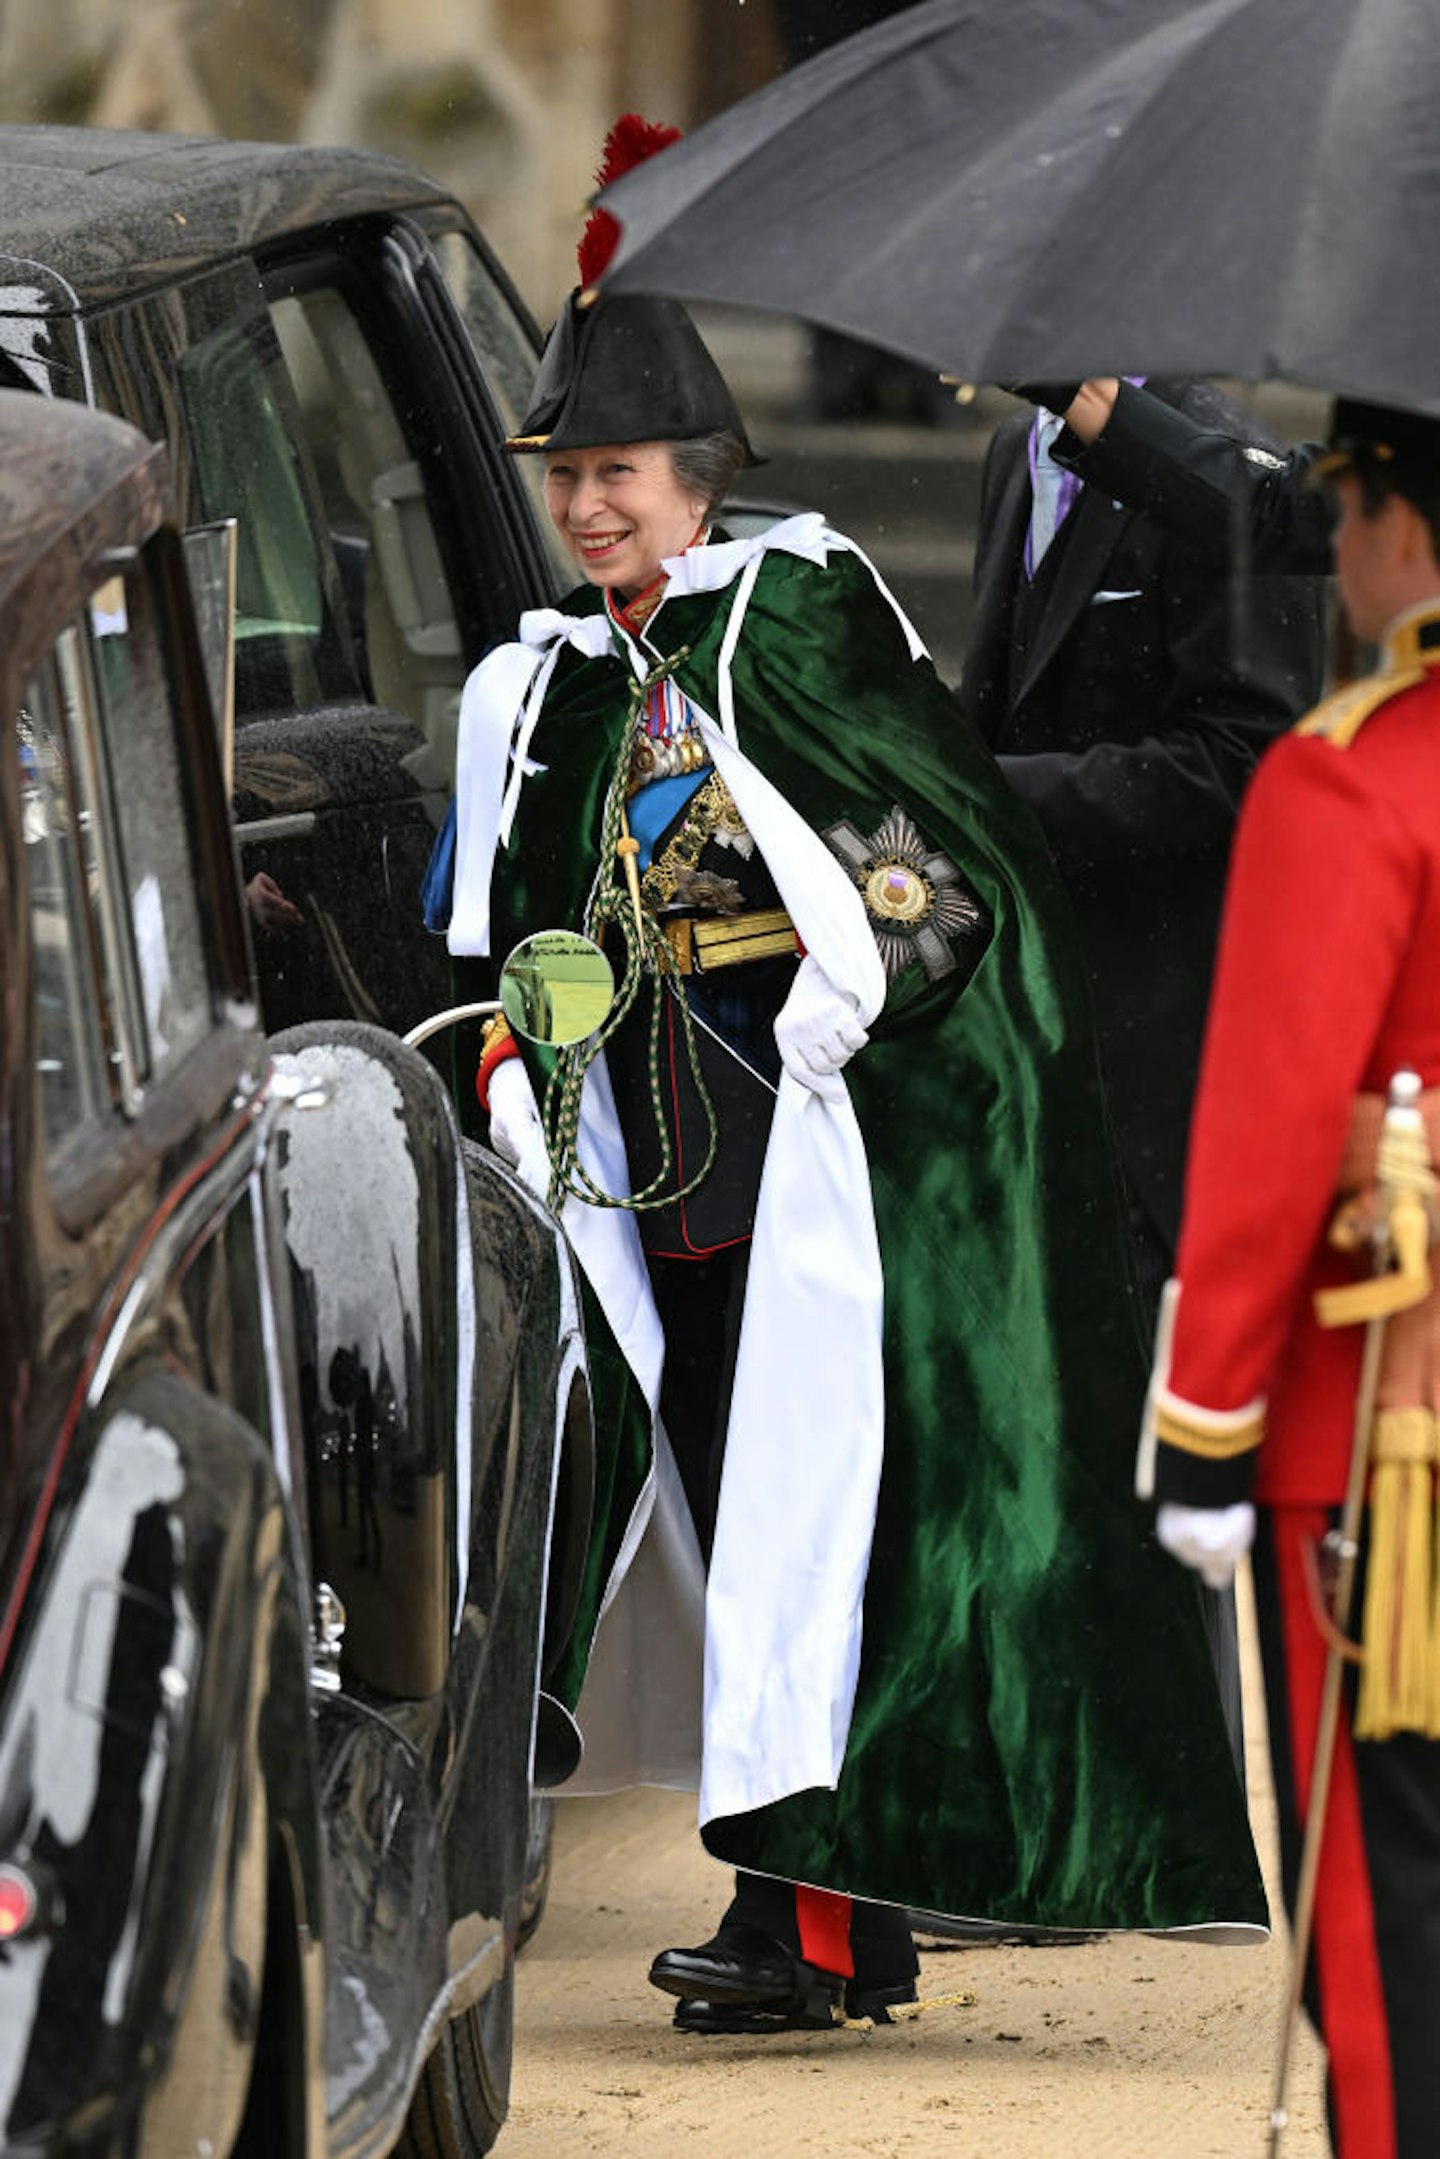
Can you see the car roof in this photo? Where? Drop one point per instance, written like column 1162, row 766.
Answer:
column 110, row 211
column 73, row 484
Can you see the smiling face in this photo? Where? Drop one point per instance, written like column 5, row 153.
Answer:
column 621, row 510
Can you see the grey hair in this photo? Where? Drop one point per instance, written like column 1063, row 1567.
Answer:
column 707, row 464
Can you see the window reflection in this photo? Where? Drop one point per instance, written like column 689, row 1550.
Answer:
column 399, row 609
column 69, row 1050
column 138, row 729
column 288, row 654
column 121, row 985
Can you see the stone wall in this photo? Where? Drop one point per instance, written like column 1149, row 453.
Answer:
column 505, row 100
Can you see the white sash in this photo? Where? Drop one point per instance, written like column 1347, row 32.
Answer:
column 807, row 1416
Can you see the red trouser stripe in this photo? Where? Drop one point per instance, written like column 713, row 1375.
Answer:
column 824, row 1922
column 1347, row 1961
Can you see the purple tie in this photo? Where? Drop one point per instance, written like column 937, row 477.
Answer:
column 1052, row 490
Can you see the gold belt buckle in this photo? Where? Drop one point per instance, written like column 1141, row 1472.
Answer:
column 761, row 933
column 702, row 943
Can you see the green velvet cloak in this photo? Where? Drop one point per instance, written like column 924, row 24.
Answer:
column 1036, row 1736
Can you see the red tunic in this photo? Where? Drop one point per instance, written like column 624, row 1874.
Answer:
column 1328, row 982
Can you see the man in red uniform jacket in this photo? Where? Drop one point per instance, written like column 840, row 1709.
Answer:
column 1328, row 982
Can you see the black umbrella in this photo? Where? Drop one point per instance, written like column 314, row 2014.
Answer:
column 1019, row 188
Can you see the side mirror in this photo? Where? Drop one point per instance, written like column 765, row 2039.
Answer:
column 556, row 987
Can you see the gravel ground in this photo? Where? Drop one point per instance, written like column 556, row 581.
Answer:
column 1129, row 2046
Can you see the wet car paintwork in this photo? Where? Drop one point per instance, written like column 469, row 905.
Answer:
column 266, row 1324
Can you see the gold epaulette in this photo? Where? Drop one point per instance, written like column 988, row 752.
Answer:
column 1340, row 717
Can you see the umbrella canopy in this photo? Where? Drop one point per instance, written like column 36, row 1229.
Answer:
column 1017, row 188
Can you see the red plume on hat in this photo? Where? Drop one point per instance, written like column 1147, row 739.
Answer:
column 628, row 144
column 624, row 366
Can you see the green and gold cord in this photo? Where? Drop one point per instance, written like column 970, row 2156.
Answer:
column 647, row 952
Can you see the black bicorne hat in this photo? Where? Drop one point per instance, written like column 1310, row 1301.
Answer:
column 629, row 367
column 624, row 367
column 1400, row 447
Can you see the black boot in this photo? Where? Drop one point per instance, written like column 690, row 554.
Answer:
column 741, row 1967
column 712, row 2019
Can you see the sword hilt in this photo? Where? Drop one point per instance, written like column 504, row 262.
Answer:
column 1405, row 1219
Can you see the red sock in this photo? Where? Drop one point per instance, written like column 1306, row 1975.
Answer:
column 824, row 1921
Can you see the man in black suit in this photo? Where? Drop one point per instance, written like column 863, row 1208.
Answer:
column 1128, row 684
column 1230, row 500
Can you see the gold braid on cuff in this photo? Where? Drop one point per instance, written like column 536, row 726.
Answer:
column 1213, row 1435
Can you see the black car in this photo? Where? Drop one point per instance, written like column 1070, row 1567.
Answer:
column 333, row 357
column 295, row 1443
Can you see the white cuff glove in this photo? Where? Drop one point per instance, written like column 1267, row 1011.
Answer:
column 1212, row 1540
column 516, row 1133
column 817, row 1031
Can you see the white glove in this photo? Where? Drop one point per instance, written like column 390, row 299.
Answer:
column 1212, row 1540
column 817, row 1031
column 516, row 1132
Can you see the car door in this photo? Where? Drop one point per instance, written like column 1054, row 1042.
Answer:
column 333, row 399
column 431, row 542
column 152, row 1630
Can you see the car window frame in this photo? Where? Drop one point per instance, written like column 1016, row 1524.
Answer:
column 549, row 565
column 150, row 1111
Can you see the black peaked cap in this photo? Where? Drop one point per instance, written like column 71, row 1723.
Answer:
column 1403, row 446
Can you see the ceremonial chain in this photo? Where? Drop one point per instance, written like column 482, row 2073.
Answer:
column 615, row 903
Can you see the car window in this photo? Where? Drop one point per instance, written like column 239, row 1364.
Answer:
column 508, row 360
column 154, row 864
column 292, row 651
column 121, row 983
column 399, row 609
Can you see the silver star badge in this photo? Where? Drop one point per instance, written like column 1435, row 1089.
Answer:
column 917, row 905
